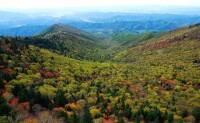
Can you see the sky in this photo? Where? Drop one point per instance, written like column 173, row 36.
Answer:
column 51, row 4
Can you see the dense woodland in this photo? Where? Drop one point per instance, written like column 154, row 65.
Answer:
column 153, row 79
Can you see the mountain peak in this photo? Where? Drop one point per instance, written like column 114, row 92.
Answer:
column 59, row 25
column 66, row 31
column 59, row 28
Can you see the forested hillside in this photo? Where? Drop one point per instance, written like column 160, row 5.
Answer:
column 160, row 44
column 155, row 78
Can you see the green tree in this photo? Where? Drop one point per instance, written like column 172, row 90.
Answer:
column 98, row 100
column 23, row 96
column 4, row 108
column 185, row 113
column 170, row 117
column 196, row 113
column 74, row 118
column 121, row 120
column 60, row 99
column 63, row 115
column 114, row 108
column 128, row 111
column 87, row 118
column 1, row 84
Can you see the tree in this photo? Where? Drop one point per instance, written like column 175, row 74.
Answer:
column 74, row 118
column 135, row 118
column 128, row 111
column 63, row 115
column 1, row 84
column 4, row 108
column 87, row 118
column 157, row 120
column 23, row 95
column 121, row 120
column 165, row 115
column 60, row 99
column 82, row 96
column 44, row 101
column 98, row 100
column 17, row 88
column 114, row 108
column 95, row 113
column 196, row 113
column 170, row 117
column 185, row 113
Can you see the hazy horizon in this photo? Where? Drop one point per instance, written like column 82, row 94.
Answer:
column 144, row 9
column 49, row 4
column 67, row 7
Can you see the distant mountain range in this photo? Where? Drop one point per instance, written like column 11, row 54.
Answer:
column 98, row 23
column 23, row 30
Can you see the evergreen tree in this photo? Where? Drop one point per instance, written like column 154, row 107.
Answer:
column 121, row 120
column 23, row 95
column 114, row 108
column 170, row 117
column 135, row 118
column 87, row 118
column 173, row 100
column 61, row 114
column 75, row 118
column 185, row 113
column 45, row 101
column 1, row 83
column 123, row 104
column 4, row 108
column 98, row 100
column 105, row 104
column 109, row 101
column 196, row 113
column 165, row 115
column 82, row 96
column 16, row 90
column 60, row 99
column 157, row 120
column 128, row 111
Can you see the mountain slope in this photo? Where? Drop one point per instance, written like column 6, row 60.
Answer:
column 160, row 82
column 163, row 42
column 69, row 41
column 75, row 43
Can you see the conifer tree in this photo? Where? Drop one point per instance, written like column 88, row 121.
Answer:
column 87, row 118
column 60, row 99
